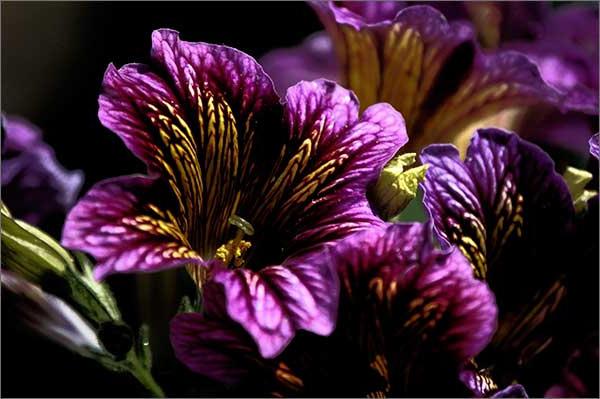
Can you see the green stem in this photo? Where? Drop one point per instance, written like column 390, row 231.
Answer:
column 144, row 376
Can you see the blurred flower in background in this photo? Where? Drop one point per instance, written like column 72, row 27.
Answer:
column 381, row 51
column 35, row 186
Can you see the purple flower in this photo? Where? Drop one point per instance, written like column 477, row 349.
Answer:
column 563, row 43
column 35, row 187
column 430, row 70
column 579, row 379
column 407, row 311
column 511, row 214
column 237, row 182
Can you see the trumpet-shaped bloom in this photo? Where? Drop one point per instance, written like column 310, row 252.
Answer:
column 563, row 43
column 237, row 181
column 430, row 70
column 35, row 186
column 512, row 215
column 407, row 312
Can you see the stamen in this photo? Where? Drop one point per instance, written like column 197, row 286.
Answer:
column 232, row 253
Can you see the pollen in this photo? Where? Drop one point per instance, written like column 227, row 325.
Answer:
column 232, row 253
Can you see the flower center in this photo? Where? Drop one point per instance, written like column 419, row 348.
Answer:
column 232, row 253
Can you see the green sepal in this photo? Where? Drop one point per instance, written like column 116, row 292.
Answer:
column 144, row 352
column 398, row 185
column 30, row 252
column 576, row 180
column 94, row 298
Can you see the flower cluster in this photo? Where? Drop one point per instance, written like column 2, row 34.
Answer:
column 286, row 210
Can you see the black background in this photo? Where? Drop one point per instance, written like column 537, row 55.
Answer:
column 53, row 58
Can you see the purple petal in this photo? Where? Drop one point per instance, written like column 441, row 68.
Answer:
column 35, row 186
column 411, row 287
column 567, row 68
column 570, row 131
column 216, row 348
column 501, row 174
column 512, row 391
column 360, row 13
column 595, row 145
column 122, row 224
column 433, row 72
column 276, row 301
column 576, row 25
column 510, row 213
column 220, row 70
column 312, row 59
column 347, row 154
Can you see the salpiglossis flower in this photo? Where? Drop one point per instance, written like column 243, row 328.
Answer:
column 409, row 312
column 511, row 214
column 35, row 186
column 432, row 71
column 237, row 182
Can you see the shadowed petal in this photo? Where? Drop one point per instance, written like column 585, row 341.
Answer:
column 50, row 315
column 34, row 185
column 121, row 224
column 512, row 391
column 312, row 59
column 213, row 347
column 415, row 287
column 433, row 72
column 509, row 212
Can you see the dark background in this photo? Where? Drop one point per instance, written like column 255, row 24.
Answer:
column 53, row 58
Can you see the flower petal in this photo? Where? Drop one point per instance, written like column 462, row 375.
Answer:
column 504, row 207
column 494, row 195
column 50, row 315
column 126, row 228
column 34, row 185
column 213, row 347
column 512, row 391
column 595, row 145
column 405, row 309
column 312, row 59
column 415, row 286
column 221, row 70
column 276, row 301
column 339, row 157
column 433, row 72
column 198, row 120
column 567, row 68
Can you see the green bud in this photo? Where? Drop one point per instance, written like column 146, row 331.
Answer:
column 398, row 185
column 576, row 180
column 30, row 252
